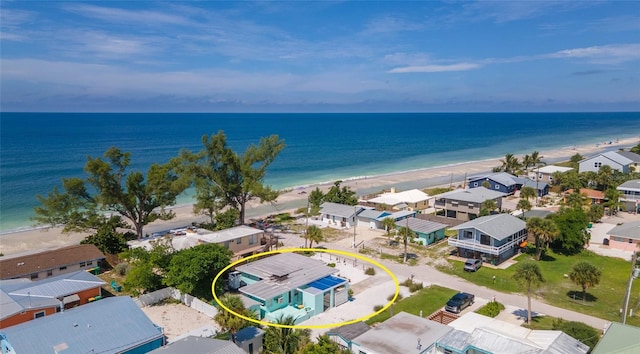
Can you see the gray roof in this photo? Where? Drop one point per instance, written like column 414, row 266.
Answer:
column 350, row 331
column 341, row 210
column 400, row 214
column 281, row 273
column 499, row 226
column 614, row 156
column 536, row 213
column 632, row 185
column 630, row 155
column 199, row 345
column 248, row 333
column 400, row 334
column 229, row 234
column 503, row 178
column 423, row 226
column 373, row 214
column 110, row 325
column 473, row 195
column 525, row 182
column 627, row 230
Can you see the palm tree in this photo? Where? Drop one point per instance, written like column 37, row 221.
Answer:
column 527, row 193
column 405, row 234
column 285, row 340
column 487, row 207
column 585, row 275
column 228, row 321
column 547, row 233
column 575, row 200
column 536, row 160
column 510, row 164
column 528, row 275
column 314, row 233
column 613, row 200
column 389, row 224
column 605, row 173
column 523, row 205
column 534, row 226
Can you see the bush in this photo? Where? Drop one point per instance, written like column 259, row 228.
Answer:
column 415, row 287
column 390, row 297
column 408, row 282
column 413, row 262
column 122, row 268
column 492, row 309
column 350, row 292
column 578, row 330
column 332, row 265
column 377, row 308
column 370, row 271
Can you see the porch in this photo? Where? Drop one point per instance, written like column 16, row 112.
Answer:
column 299, row 314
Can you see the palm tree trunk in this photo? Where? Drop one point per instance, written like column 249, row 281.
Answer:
column 529, row 305
column 405, row 249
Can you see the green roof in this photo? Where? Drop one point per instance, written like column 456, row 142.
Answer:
column 619, row 339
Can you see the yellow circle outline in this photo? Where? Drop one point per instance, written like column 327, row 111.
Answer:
column 330, row 325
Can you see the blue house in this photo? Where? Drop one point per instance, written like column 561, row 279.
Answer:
column 111, row 325
column 427, row 232
column 289, row 284
column 507, row 183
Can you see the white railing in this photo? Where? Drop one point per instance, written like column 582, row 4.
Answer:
column 629, row 197
column 475, row 246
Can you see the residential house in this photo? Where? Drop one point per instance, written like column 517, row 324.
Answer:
column 545, row 173
column 507, row 183
column 620, row 339
column 630, row 197
column 111, row 325
column 372, row 218
column 340, row 215
column 464, row 204
column 344, row 335
column 199, row 345
column 427, row 232
column 401, row 334
column 413, row 199
column 23, row 300
column 623, row 161
column 594, row 196
column 51, row 263
column 250, row 339
column 475, row 333
column 493, row 238
column 289, row 284
column 625, row 236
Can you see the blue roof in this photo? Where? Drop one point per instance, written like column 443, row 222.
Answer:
column 110, row 325
column 248, row 333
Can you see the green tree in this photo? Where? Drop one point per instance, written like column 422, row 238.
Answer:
column 578, row 330
column 279, row 340
column 405, row 234
column 228, row 321
column 237, row 178
column 191, row 270
column 523, row 205
column 108, row 240
column 586, row 275
column 147, row 266
column 595, row 213
column 572, row 224
column 314, row 234
column 604, row 177
column 142, row 278
column 341, row 195
column 487, row 207
column 486, row 184
column 527, row 193
column 575, row 160
column 324, row 346
column 635, row 149
column 316, row 197
column 528, row 275
column 227, row 219
column 510, row 164
column 588, row 179
column 567, row 180
column 389, row 224
column 613, row 200
column 575, row 200
column 545, row 231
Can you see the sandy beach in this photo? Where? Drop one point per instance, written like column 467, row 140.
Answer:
column 17, row 243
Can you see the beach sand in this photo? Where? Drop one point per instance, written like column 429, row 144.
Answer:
column 30, row 241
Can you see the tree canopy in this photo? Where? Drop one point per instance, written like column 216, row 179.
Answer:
column 341, row 195
column 324, row 346
column 544, row 231
column 314, row 234
column 228, row 321
column 280, row 340
column 572, row 224
column 585, row 275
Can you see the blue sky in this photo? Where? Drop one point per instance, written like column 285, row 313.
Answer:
column 306, row 56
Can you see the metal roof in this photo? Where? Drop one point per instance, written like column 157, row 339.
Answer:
column 400, row 214
column 503, row 178
column 410, row 196
column 341, row 210
column 111, row 325
column 373, row 214
column 613, row 156
column 199, row 345
column 423, row 226
column 473, row 195
column 281, row 273
column 618, row 339
column 229, row 234
column 248, row 333
column 549, row 169
column 630, row 155
column 400, row 335
column 627, row 230
column 632, row 185
column 499, row 226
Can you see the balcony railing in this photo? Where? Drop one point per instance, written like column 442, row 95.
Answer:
column 476, row 246
column 629, row 197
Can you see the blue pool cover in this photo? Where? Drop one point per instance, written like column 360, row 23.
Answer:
column 326, row 282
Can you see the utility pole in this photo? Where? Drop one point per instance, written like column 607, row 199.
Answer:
column 306, row 227
column 355, row 211
column 537, row 180
column 625, row 309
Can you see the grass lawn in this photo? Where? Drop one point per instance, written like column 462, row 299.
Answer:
column 428, row 300
column 603, row 301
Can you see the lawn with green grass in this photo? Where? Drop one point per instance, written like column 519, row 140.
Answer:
column 427, row 300
column 603, row 301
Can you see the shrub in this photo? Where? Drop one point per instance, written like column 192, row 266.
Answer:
column 377, row 308
column 390, row 297
column 370, row 271
column 491, row 309
column 415, row 287
column 578, row 330
column 413, row 262
column 122, row 268
column 332, row 265
column 350, row 292
column 408, row 282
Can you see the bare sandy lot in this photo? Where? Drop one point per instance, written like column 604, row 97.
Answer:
column 177, row 319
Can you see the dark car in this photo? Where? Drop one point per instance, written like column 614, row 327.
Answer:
column 459, row 302
column 472, row 265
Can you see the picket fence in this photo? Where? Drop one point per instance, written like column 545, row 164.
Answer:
column 165, row 293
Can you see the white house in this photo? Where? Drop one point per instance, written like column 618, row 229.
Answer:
column 413, row 199
column 630, row 194
column 340, row 215
column 545, row 173
column 623, row 161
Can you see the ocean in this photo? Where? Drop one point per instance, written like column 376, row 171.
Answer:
column 37, row 150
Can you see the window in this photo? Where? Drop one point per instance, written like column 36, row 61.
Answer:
column 49, row 272
column 597, row 164
column 226, row 244
column 82, row 264
column 253, row 239
column 497, row 186
column 475, row 184
column 63, row 268
column 250, row 348
column 38, row 314
column 34, row 276
column 90, row 263
column 238, row 240
column 281, row 299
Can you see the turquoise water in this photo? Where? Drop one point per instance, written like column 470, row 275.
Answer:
column 38, row 149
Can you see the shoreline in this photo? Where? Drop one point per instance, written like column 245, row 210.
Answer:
column 43, row 237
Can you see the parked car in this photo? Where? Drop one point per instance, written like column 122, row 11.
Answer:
column 472, row 265
column 459, row 302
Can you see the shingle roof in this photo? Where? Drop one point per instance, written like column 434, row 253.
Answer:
column 341, row 210
column 110, row 325
column 499, row 226
column 473, row 195
column 25, row 265
column 627, row 230
column 632, row 185
column 423, row 226
column 199, row 345
column 281, row 273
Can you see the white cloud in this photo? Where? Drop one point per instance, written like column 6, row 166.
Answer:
column 127, row 16
column 608, row 54
column 435, row 68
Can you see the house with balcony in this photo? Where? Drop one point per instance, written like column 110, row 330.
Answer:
column 507, row 183
column 413, row 200
column 630, row 197
column 464, row 204
column 340, row 215
column 289, row 284
column 623, row 161
column 545, row 173
column 493, row 238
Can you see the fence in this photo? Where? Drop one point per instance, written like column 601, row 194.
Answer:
column 193, row 302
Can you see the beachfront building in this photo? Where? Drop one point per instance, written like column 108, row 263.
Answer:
column 464, row 204
column 623, row 161
column 340, row 215
column 23, row 300
column 413, row 200
column 427, row 232
column 625, row 236
column 493, row 238
column 630, row 197
column 507, row 183
column 594, row 196
column 289, row 284
column 51, row 263
column 111, row 325
column 545, row 173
